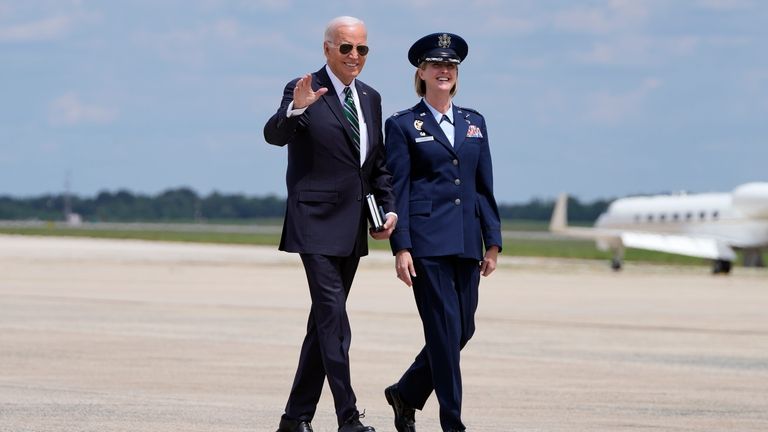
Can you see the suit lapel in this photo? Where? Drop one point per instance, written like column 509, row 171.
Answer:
column 460, row 127
column 431, row 127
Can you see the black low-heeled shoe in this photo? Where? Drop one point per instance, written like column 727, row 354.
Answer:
column 353, row 424
column 405, row 416
column 288, row 425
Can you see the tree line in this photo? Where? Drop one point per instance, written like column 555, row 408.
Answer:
column 185, row 205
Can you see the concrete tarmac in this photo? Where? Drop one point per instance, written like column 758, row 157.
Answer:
column 106, row 335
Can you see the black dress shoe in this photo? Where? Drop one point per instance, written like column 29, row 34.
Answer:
column 353, row 425
column 405, row 416
column 288, row 425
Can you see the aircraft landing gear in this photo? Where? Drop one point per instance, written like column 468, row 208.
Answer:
column 753, row 258
column 618, row 257
column 721, row 267
column 616, row 264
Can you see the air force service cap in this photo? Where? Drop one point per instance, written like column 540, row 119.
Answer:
column 438, row 47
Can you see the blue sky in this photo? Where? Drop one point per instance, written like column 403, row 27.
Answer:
column 598, row 98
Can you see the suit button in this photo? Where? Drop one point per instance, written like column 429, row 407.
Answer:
column 455, row 162
column 457, row 182
column 457, row 202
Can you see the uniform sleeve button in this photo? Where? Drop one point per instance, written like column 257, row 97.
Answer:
column 457, row 182
column 457, row 202
column 455, row 162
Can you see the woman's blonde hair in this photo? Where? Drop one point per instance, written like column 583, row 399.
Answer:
column 421, row 87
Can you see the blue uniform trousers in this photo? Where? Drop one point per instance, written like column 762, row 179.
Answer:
column 446, row 292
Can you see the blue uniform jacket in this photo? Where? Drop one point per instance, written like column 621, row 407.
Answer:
column 443, row 193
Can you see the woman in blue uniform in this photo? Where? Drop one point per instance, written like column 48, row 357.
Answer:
column 449, row 231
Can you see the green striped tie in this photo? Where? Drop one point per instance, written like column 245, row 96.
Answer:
column 350, row 112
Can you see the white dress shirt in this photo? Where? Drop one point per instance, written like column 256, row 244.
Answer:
column 447, row 127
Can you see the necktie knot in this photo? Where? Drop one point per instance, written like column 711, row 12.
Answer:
column 445, row 118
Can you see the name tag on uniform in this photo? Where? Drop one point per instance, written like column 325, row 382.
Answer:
column 425, row 138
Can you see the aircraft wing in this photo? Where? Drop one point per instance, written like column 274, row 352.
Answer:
column 677, row 244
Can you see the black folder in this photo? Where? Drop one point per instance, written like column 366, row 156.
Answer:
column 376, row 215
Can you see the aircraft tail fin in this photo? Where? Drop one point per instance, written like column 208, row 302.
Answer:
column 559, row 221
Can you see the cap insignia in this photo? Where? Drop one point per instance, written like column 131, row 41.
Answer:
column 444, row 41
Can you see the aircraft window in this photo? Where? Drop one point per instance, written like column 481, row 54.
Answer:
column 675, row 217
column 637, row 218
column 688, row 216
column 650, row 218
column 715, row 215
column 663, row 218
column 702, row 215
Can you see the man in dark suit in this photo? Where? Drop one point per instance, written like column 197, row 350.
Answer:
column 331, row 122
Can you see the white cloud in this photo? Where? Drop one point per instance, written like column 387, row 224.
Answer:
column 615, row 16
column 69, row 110
column 608, row 107
column 507, row 25
column 41, row 30
column 195, row 44
column 638, row 50
column 621, row 51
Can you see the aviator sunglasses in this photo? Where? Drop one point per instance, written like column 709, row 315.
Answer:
column 346, row 48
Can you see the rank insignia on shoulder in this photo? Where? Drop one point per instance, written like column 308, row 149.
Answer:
column 474, row 132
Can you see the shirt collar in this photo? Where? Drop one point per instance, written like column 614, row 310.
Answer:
column 437, row 114
column 338, row 85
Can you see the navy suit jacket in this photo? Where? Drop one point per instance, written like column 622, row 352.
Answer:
column 444, row 193
column 326, row 184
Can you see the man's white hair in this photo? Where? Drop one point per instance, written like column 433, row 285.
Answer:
column 330, row 29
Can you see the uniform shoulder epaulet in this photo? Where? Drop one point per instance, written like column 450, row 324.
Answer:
column 399, row 113
column 472, row 110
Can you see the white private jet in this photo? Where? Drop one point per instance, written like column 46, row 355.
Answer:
column 708, row 225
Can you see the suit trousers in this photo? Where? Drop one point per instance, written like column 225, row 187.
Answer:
column 446, row 293
column 325, row 351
